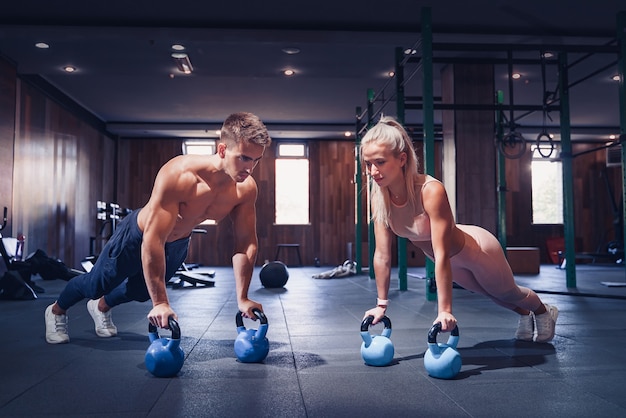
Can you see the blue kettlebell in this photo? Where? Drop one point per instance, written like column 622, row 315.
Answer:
column 376, row 350
column 251, row 345
column 164, row 357
column 442, row 361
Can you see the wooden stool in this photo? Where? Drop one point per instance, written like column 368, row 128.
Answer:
column 281, row 246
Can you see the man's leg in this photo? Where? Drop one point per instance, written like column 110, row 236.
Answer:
column 120, row 258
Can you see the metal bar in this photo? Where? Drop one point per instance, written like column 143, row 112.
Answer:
column 501, row 175
column 371, row 238
column 402, row 244
column 358, row 184
column 621, row 69
column 598, row 71
column 429, row 124
column 568, row 179
column 486, row 107
column 460, row 46
column 484, row 60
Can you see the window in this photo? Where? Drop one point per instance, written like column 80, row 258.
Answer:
column 547, row 189
column 202, row 147
column 292, row 184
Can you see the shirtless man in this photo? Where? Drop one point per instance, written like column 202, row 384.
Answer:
column 151, row 243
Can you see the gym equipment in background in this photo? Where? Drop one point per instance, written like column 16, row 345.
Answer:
column 348, row 268
column 376, row 350
column 442, row 361
column 251, row 345
column 164, row 357
column 274, row 274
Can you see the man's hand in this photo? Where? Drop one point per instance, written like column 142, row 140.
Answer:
column 159, row 315
column 246, row 307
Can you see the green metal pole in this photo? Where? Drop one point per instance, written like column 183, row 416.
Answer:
column 501, row 174
column 370, row 229
column 568, row 176
column 402, row 242
column 621, row 68
column 358, row 184
column 429, row 126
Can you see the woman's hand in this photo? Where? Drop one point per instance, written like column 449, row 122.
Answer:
column 448, row 321
column 378, row 312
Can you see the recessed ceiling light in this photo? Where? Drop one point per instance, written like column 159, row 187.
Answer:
column 391, row 74
column 347, row 134
column 410, row 51
column 547, row 54
column 291, row 50
column 178, row 47
column 612, row 136
column 69, row 69
column 289, row 72
column 615, row 77
column 42, row 45
column 516, row 76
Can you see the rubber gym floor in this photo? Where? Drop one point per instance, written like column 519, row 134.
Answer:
column 314, row 367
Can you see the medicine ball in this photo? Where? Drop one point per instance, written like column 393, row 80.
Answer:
column 274, row 274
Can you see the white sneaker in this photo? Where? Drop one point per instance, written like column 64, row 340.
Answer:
column 56, row 327
column 545, row 324
column 102, row 320
column 525, row 327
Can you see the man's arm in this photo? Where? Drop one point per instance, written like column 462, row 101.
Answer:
column 159, row 218
column 245, row 251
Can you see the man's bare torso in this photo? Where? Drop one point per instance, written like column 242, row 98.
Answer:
column 196, row 190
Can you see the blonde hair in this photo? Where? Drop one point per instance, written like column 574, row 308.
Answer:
column 389, row 133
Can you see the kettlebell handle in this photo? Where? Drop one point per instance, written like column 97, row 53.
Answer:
column 172, row 323
column 257, row 312
column 436, row 329
column 365, row 325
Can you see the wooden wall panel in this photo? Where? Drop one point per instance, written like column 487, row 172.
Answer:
column 58, row 171
column 7, row 130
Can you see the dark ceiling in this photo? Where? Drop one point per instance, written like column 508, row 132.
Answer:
column 128, row 81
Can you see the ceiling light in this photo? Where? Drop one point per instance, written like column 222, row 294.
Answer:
column 547, row 54
column 42, row 45
column 615, row 77
column 69, row 69
column 347, row 134
column 410, row 51
column 612, row 137
column 289, row 72
column 178, row 47
column 291, row 50
column 391, row 74
column 516, row 76
column 182, row 62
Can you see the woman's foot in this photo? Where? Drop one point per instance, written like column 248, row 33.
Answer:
column 545, row 324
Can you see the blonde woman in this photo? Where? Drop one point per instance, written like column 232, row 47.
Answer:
column 415, row 206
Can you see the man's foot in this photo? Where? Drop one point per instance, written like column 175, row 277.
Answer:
column 525, row 327
column 102, row 320
column 56, row 327
column 545, row 324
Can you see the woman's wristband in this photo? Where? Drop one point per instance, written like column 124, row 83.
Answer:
column 382, row 302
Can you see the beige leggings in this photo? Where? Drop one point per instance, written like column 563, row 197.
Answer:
column 481, row 267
